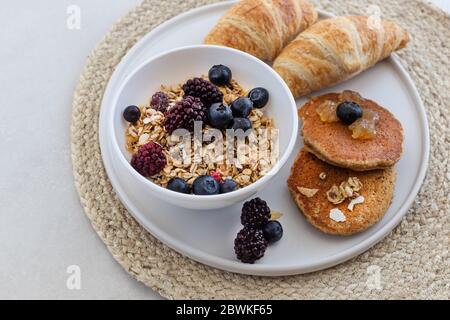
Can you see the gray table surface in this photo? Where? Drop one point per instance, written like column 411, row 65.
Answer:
column 43, row 230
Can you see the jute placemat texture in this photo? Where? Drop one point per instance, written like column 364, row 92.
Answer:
column 413, row 261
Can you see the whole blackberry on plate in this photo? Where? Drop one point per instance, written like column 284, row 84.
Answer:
column 184, row 113
column 149, row 159
column 255, row 213
column 250, row 245
column 204, row 90
column 160, row 102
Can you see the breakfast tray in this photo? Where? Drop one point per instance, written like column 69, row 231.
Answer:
column 412, row 262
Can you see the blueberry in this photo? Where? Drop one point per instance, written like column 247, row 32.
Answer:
column 179, row 185
column 220, row 75
column 273, row 231
column 228, row 185
column 241, row 123
column 219, row 115
column 348, row 112
column 242, row 107
column 259, row 97
column 132, row 114
column 205, row 185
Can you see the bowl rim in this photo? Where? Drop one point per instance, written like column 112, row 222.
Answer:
column 254, row 187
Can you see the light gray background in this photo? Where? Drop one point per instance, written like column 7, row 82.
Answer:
column 43, row 229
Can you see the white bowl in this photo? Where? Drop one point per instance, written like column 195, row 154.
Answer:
column 176, row 66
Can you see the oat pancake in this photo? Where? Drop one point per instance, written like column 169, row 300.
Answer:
column 377, row 189
column 333, row 143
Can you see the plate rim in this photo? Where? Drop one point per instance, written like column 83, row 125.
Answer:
column 255, row 269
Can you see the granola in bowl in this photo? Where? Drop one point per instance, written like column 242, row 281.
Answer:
column 206, row 136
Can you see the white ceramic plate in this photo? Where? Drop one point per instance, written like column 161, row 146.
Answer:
column 207, row 236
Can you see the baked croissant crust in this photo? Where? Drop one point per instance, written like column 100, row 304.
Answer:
column 336, row 49
column 262, row 27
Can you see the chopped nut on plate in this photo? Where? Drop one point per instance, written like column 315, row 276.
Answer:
column 275, row 215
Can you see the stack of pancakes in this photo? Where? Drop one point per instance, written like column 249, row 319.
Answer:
column 331, row 156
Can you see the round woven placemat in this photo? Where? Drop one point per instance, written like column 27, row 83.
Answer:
column 412, row 261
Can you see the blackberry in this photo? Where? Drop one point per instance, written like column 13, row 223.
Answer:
column 255, row 213
column 149, row 159
column 184, row 113
column 204, row 90
column 160, row 102
column 250, row 245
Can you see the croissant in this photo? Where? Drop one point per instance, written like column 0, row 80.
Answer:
column 336, row 49
column 262, row 27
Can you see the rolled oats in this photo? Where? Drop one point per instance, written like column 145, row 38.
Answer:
column 150, row 127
